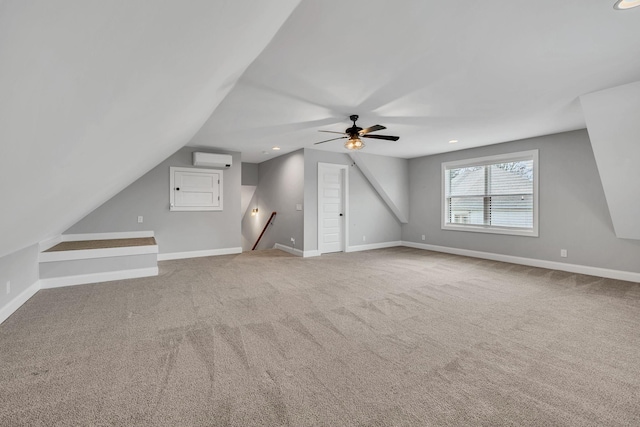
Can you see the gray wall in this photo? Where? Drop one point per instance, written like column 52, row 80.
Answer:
column 390, row 177
column 280, row 188
column 368, row 214
column 174, row 231
column 249, row 173
column 573, row 211
column 21, row 269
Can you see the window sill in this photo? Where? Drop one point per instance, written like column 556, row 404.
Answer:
column 492, row 230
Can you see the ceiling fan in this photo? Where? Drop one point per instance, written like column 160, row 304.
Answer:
column 354, row 133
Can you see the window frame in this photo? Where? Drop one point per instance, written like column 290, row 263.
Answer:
column 484, row 161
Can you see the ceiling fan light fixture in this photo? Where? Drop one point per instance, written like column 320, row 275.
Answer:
column 626, row 4
column 354, row 143
column 354, row 133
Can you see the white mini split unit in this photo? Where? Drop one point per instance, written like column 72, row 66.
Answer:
column 210, row 160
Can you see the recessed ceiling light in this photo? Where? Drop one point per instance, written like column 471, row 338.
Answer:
column 276, row 148
column 453, row 141
column 626, row 4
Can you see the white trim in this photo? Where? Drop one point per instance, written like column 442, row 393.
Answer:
column 551, row 265
column 296, row 252
column 106, row 276
column 492, row 229
column 17, row 302
column 345, row 204
column 199, row 254
column 381, row 245
column 481, row 161
column 288, row 249
column 96, row 253
column 107, row 236
column 49, row 243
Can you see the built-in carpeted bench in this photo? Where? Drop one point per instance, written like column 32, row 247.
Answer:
column 79, row 259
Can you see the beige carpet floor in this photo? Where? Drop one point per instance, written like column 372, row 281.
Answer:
column 392, row 337
column 102, row 244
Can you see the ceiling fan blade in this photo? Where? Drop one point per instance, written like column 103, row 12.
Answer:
column 322, row 142
column 371, row 129
column 330, row 131
column 385, row 137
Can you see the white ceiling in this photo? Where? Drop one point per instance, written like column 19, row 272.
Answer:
column 480, row 72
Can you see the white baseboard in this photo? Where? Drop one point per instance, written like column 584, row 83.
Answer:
column 371, row 246
column 532, row 262
column 107, row 236
column 296, row 252
column 15, row 303
column 96, row 253
column 288, row 249
column 107, row 276
column 198, row 254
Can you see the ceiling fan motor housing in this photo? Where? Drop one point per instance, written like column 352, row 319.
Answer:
column 353, row 131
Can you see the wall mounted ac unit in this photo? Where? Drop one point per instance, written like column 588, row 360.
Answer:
column 212, row 160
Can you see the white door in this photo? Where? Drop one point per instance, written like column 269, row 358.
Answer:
column 331, row 207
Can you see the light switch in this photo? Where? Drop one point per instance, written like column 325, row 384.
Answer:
column 298, row 206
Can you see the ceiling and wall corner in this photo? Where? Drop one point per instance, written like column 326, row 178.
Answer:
column 95, row 94
column 614, row 130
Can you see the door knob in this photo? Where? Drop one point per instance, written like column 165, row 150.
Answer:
column 340, row 214
column 177, row 188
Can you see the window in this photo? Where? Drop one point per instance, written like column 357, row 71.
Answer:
column 496, row 194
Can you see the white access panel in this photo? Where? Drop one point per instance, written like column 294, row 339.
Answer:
column 193, row 189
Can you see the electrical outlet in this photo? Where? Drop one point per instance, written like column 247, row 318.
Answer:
column 293, row 241
column 563, row 253
column 8, row 286
column 424, row 237
column 140, row 219
column 364, row 238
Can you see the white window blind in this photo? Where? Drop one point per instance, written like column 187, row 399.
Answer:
column 492, row 194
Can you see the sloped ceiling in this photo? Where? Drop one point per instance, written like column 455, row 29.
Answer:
column 481, row 72
column 94, row 94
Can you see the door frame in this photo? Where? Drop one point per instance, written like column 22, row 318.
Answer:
column 345, row 203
